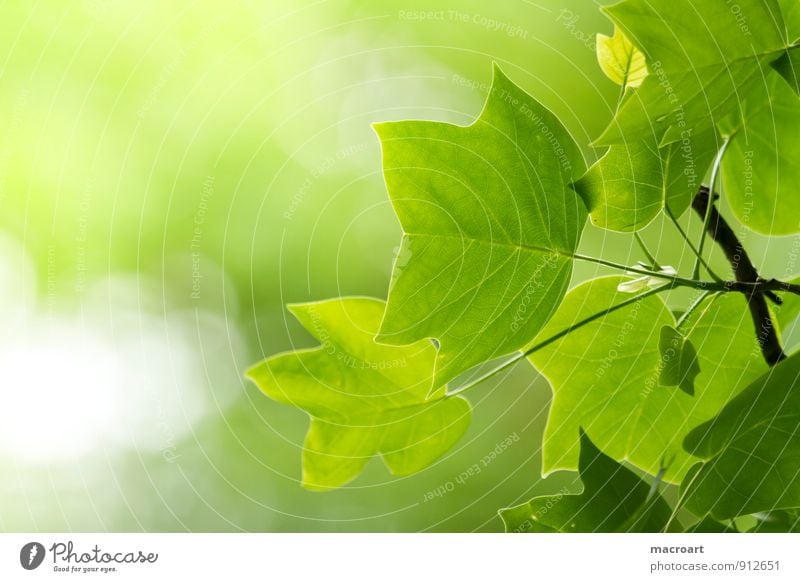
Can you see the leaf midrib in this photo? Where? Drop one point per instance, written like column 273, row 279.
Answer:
column 510, row 244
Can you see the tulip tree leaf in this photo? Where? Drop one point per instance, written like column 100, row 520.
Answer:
column 760, row 168
column 679, row 365
column 614, row 499
column 490, row 227
column 752, row 463
column 687, row 35
column 364, row 399
column 493, row 214
column 605, row 376
column 702, row 57
column 627, row 188
column 635, row 179
column 620, row 60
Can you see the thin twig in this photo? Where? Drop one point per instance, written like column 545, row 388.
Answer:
column 554, row 338
column 693, row 248
column 692, row 308
column 651, row 259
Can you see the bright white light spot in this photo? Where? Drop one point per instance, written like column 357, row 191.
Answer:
column 57, row 393
column 115, row 374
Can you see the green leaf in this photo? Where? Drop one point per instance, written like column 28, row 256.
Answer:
column 685, row 35
column 364, row 399
column 760, row 169
column 627, row 188
column 722, row 50
column 490, row 227
column 620, row 60
column 650, row 112
column 679, row 365
column 752, row 450
column 605, row 376
column 614, row 499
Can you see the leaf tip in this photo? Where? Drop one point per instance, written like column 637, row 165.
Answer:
column 252, row 372
column 315, row 487
column 693, row 442
column 497, row 70
column 379, row 127
column 499, row 78
column 602, row 140
column 297, row 309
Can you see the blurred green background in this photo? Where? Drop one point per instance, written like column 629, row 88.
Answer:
column 171, row 174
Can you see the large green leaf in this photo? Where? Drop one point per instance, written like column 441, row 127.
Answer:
column 614, row 499
column 702, row 57
column 685, row 35
column 627, row 188
column 752, row 448
column 364, row 399
column 760, row 169
column 605, row 376
column 490, row 224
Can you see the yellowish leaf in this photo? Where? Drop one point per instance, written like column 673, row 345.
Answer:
column 620, row 60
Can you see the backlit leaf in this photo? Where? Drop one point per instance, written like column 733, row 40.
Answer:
column 702, row 59
column 364, row 399
column 620, row 60
column 490, row 225
column 614, row 499
column 752, row 449
column 628, row 187
column 760, row 169
column 605, row 376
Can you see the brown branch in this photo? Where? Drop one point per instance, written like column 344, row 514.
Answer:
column 755, row 289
